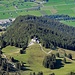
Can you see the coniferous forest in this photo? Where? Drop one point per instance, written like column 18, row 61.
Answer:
column 50, row 32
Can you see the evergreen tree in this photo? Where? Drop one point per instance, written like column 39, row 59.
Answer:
column 52, row 74
column 22, row 51
column 64, row 60
column 57, row 54
column 70, row 56
column 49, row 61
column 47, row 0
column 2, row 66
column 65, row 54
column 34, row 73
column 40, row 73
column 30, row 73
column 12, row 59
column 51, row 32
column 18, row 66
column 25, row 0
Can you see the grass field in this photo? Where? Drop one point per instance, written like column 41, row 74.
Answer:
column 66, row 7
column 12, row 8
column 34, row 58
column 34, row 55
column 70, row 23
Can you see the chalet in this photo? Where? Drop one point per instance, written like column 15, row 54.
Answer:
column 35, row 40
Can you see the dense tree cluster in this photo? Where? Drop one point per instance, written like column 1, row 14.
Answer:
column 49, row 61
column 50, row 32
column 61, row 17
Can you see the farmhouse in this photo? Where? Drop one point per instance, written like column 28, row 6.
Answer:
column 35, row 40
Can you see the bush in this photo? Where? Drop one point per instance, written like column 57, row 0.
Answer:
column 70, row 56
column 22, row 51
column 52, row 74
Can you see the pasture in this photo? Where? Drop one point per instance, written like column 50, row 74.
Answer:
column 13, row 8
column 34, row 57
column 61, row 7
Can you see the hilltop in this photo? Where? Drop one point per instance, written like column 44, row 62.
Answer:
column 37, row 37
column 50, row 32
column 33, row 60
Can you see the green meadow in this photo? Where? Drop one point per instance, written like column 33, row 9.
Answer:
column 70, row 23
column 14, row 8
column 34, row 57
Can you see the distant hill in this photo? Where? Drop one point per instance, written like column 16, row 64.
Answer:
column 50, row 32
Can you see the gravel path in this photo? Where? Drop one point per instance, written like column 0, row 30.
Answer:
column 45, row 51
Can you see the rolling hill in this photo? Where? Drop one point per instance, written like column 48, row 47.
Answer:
column 43, row 21
column 34, row 57
column 50, row 32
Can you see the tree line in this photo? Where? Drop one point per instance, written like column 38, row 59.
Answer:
column 61, row 17
column 50, row 32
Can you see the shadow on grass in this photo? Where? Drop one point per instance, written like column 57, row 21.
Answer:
column 59, row 64
column 15, row 61
column 25, row 68
column 73, row 59
column 68, row 62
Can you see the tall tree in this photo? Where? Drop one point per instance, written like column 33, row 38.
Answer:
column 49, row 61
column 70, row 56
column 64, row 60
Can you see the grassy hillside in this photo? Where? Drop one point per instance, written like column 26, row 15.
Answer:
column 33, row 59
column 70, row 23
